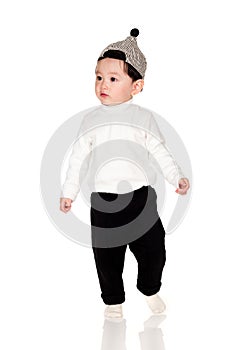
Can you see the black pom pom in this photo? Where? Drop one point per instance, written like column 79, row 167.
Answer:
column 134, row 32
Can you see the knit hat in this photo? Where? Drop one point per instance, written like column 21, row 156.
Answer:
column 130, row 48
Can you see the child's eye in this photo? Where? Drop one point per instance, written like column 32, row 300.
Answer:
column 113, row 79
column 98, row 78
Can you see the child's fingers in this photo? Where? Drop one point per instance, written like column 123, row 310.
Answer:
column 65, row 205
column 183, row 186
column 181, row 190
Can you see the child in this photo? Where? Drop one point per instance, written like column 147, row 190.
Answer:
column 120, row 75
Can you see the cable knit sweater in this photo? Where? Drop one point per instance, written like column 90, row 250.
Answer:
column 116, row 145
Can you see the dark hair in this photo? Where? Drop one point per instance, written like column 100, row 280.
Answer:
column 119, row 55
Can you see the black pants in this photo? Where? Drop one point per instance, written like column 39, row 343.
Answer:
column 147, row 247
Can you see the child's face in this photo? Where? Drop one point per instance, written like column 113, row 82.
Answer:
column 113, row 85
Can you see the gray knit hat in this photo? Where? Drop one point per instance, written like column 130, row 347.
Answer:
column 130, row 48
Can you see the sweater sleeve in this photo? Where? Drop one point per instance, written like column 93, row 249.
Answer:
column 158, row 149
column 79, row 159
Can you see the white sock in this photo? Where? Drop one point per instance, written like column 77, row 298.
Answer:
column 113, row 311
column 155, row 303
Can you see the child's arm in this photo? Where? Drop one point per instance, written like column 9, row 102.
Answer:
column 79, row 158
column 157, row 147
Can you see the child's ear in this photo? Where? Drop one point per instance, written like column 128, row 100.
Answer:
column 137, row 86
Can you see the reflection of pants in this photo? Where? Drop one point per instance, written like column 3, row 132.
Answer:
column 148, row 249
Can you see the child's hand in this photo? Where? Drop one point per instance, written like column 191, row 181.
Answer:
column 183, row 186
column 65, row 204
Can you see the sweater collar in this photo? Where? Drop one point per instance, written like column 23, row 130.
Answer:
column 118, row 106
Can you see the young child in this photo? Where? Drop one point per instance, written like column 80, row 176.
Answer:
column 120, row 75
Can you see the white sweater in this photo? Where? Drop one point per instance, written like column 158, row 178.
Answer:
column 119, row 143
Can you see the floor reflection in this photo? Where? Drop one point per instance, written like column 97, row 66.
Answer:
column 151, row 338
column 114, row 335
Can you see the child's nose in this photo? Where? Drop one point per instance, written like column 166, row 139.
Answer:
column 104, row 84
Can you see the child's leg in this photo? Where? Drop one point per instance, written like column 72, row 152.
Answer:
column 109, row 260
column 109, row 265
column 150, row 253
column 149, row 250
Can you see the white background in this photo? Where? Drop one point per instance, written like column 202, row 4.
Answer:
column 49, row 288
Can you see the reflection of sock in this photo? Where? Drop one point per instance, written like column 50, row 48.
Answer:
column 154, row 321
column 114, row 335
column 152, row 337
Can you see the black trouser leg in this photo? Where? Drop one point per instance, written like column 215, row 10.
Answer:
column 109, row 265
column 149, row 250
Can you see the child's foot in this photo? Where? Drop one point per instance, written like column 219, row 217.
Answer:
column 113, row 311
column 155, row 303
